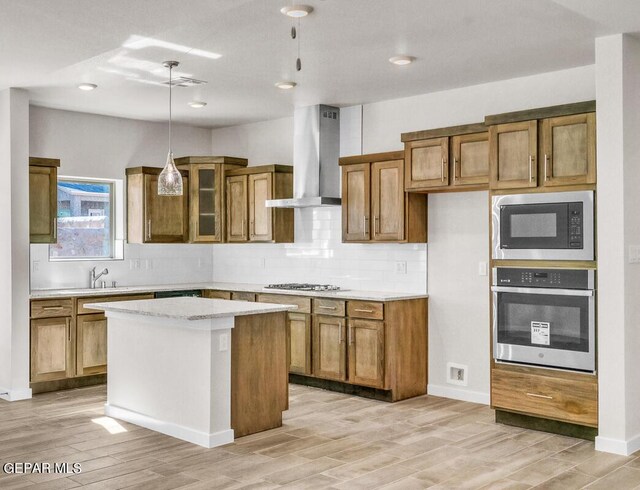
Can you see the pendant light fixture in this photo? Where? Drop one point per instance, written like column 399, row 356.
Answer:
column 170, row 180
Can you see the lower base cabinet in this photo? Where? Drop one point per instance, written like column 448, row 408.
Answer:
column 366, row 352
column 91, row 344
column 299, row 343
column 51, row 349
column 329, row 348
column 558, row 395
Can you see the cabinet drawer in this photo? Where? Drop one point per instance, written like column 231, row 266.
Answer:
column 568, row 398
column 333, row 307
column 107, row 299
column 217, row 294
column 365, row 309
column 51, row 308
column 303, row 304
column 242, row 296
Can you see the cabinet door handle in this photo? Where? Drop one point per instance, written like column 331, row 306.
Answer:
column 442, row 171
column 365, row 224
column 535, row 395
column 148, row 229
column 530, row 168
column 350, row 334
column 340, row 332
column 68, row 321
column 455, row 169
column 376, row 224
column 55, row 229
column 327, row 307
column 546, row 163
column 360, row 310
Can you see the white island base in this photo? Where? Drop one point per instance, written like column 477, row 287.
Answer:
column 175, row 373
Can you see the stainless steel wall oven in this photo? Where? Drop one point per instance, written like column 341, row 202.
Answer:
column 544, row 317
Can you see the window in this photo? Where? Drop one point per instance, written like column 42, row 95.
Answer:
column 86, row 215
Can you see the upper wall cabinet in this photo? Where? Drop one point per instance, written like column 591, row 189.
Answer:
column 152, row 218
column 247, row 217
column 207, row 197
column 446, row 159
column 375, row 207
column 552, row 146
column 43, row 199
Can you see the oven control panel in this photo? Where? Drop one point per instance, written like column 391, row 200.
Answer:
column 575, row 225
column 544, row 278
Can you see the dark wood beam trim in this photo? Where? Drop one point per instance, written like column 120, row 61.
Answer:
column 541, row 113
column 442, row 132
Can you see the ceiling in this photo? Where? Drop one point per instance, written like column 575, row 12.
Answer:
column 49, row 47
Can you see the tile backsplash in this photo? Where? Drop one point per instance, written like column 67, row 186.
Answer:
column 319, row 256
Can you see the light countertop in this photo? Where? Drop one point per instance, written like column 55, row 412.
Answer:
column 346, row 294
column 189, row 308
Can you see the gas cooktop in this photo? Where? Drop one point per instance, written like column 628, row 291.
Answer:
column 295, row 286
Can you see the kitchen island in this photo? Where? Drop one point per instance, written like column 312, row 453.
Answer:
column 202, row 370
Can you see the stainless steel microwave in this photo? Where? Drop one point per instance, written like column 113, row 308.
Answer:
column 543, row 226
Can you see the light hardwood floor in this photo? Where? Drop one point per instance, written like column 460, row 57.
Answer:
column 328, row 440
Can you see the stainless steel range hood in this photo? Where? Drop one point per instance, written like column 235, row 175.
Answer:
column 316, row 148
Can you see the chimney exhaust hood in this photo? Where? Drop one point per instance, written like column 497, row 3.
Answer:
column 316, row 149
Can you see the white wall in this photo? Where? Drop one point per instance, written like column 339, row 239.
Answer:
column 90, row 145
column 618, row 120
column 459, row 235
column 14, row 258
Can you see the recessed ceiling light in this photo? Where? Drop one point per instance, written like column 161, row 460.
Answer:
column 87, row 86
column 401, row 60
column 197, row 104
column 297, row 10
column 286, row 84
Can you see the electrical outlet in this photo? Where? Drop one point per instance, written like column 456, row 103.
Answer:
column 224, row 342
column 35, row 266
column 401, row 267
column 457, row 374
column 634, row 254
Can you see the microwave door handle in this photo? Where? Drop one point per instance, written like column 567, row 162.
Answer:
column 550, row 291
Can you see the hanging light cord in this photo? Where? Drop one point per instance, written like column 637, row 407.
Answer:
column 170, row 91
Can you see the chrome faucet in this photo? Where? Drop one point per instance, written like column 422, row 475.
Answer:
column 93, row 278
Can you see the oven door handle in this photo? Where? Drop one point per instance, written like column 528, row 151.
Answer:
column 551, row 291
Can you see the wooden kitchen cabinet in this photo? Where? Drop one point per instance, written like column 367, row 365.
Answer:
column 299, row 343
column 43, row 199
column 543, row 148
column 52, row 342
column 91, row 344
column 427, row 163
column 207, row 195
column 248, row 219
column 553, row 394
column 152, row 218
column 366, row 352
column 470, row 159
column 448, row 159
column 329, row 347
column 569, row 150
column 513, row 155
column 375, row 207
column 212, row 294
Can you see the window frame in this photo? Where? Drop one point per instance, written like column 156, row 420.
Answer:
column 115, row 220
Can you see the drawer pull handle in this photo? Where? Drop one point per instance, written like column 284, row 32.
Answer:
column 52, row 308
column 327, row 307
column 535, row 395
column 361, row 310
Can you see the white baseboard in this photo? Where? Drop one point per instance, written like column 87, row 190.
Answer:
column 15, row 395
column 459, row 394
column 618, row 446
column 200, row 438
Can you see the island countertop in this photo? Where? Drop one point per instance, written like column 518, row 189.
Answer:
column 189, row 308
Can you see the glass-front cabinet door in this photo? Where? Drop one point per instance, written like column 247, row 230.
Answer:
column 208, row 214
